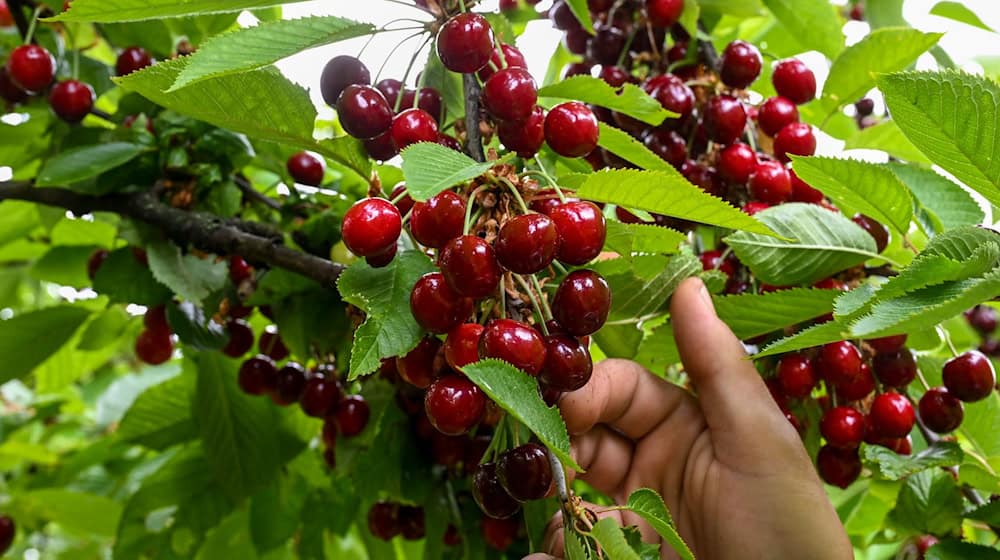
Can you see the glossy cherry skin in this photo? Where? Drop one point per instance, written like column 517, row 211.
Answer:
column 860, row 387
column 371, row 226
column 291, row 383
column 794, row 80
column 891, row 415
column 888, row 344
column 72, row 100
column 606, row 45
column 941, row 411
column 465, row 43
column 672, row 93
column 240, row 339
column 568, row 365
column 417, row 367
column 439, row 220
column 390, row 88
column 131, row 60
column 667, row 144
column 895, row 369
column 526, row 137
column 382, row 259
column 802, row 191
column 306, row 169
column 713, row 260
column 153, row 347
column 381, row 147
column 340, row 72
column 664, row 13
column 403, row 201
column 970, row 376
column 515, row 343
column 770, row 183
column 351, row 415
column 843, row 426
column 270, row 343
column 510, row 95
column 775, row 114
column 155, row 319
column 511, row 55
column 454, row 405
column 258, row 375
column 725, row 119
column 383, row 520
column 436, row 306
column 582, row 231
column 879, row 232
column 571, row 129
column 363, row 111
column 755, row 206
column 582, row 302
column 739, row 64
column 525, row 472
column 795, row 139
column 461, row 348
column 32, row 68
column 412, row 126
column 319, row 395
column 470, row 266
column 838, row 467
column 527, row 244
column 491, row 496
column 839, row 362
column 796, row 376
column 429, row 100
column 982, row 318
column 736, row 163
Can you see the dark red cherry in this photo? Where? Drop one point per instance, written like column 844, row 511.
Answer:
column 403, row 201
column 795, row 139
column 515, row 343
column 291, row 383
column 969, row 376
column 941, row 411
column 839, row 362
column 499, row 534
column 736, row 163
column 439, row 220
column 983, row 318
column 411, row 522
column 667, row 144
column 607, row 44
column 417, row 366
column 470, row 266
column 465, row 43
column 567, row 365
column 713, row 260
column 306, row 169
column 258, row 375
column 371, row 226
column 412, row 126
column 240, row 339
column 664, row 13
column 802, row 191
column 796, row 376
column 239, row 269
column 571, row 129
column 794, row 80
column 155, row 319
column 390, row 88
column 154, row 347
column 454, row 404
column 429, row 100
column 895, row 369
column 461, row 348
column 860, row 387
column 383, row 520
column 381, row 147
column 340, row 72
column 32, row 68
column 511, row 55
column 775, row 114
column 672, row 93
column 452, row 537
column 582, row 302
column 576, row 40
column 351, row 415
column 527, row 244
column 131, row 60
column 838, row 467
column 9, row 91
column 270, row 343
column 739, row 64
column 843, row 426
column 614, row 76
column 582, row 231
column 72, row 100
column 526, row 137
column 363, row 111
column 725, row 119
column 319, row 395
column 436, row 306
column 879, row 232
column 888, row 344
column 491, row 496
column 525, row 472
column 770, row 183
column 891, row 415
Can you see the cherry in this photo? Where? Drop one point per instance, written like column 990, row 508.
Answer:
column 239, row 269
column 306, row 169
column 429, row 100
column 510, row 95
column 155, row 319
column 491, row 496
column 571, row 129
column 770, row 183
column 390, row 88
column 470, row 266
column 879, row 232
column 403, row 201
column 736, row 163
column 381, row 147
column 454, row 404
column 667, row 144
column 436, row 306
column 794, row 139
column 351, row 415
column 446, row 450
column 131, row 60
column 515, row 343
column 524, row 137
column 802, row 191
column 940, row 411
column 838, row 467
column 525, row 472
column 340, row 72
column 439, row 220
column 32, row 68
column 465, row 43
column 582, row 231
column 796, row 376
column 6, row 20
column 270, row 344
column 411, row 522
column 319, row 395
column 562, row 16
column 888, row 344
column 9, row 91
column 865, row 107
column 755, row 206
column 371, row 226
column 839, row 362
column 576, row 41
column 240, row 339
column 363, row 111
column 582, row 302
column 499, row 534
column 891, row 415
column 451, row 536
column 258, row 375
column 712, row 260
column 614, row 76
column 725, row 118
column 672, row 93
column 417, row 366
column 383, row 520
column 895, row 369
column 775, row 114
column 983, row 318
column 72, row 100
column 511, row 55
column 969, row 376
column 527, row 244
column 843, row 426
column 606, row 45
column 154, row 347
column 794, row 80
column 567, row 365
column 664, row 13
column 461, row 348
column 413, row 126
column 291, row 383
column 739, row 64
column 547, row 200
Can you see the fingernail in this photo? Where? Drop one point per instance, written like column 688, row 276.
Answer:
column 706, row 297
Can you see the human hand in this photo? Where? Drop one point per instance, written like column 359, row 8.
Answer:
column 730, row 467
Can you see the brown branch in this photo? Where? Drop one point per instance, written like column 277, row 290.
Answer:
column 254, row 195
column 206, row 232
column 473, row 138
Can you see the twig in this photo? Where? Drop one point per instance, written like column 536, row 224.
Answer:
column 473, row 139
column 253, row 194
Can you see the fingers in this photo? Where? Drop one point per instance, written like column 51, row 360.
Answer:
column 554, row 541
column 606, row 458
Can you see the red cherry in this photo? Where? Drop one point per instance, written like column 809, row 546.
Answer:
column 258, row 375
column 470, row 266
column 439, row 220
column 982, row 318
column 606, row 45
column 515, row 343
column 436, row 306
column 490, row 495
column 940, row 411
column 547, row 200
column 465, row 43
column 461, row 348
column 155, row 319
column 291, row 382
column 525, row 137
column 795, row 139
column 796, row 376
column 383, row 520
column 511, row 56
column 754, row 207
column 672, row 93
column 667, row 144
column 499, row 534
column 9, row 91
column 340, row 72
column 429, row 100
column 888, row 344
column 794, row 80
column 527, row 244
column 452, row 537
column 736, row 163
column 582, row 231
column 240, row 339
column 582, row 302
column 838, row 467
column 775, row 114
column 664, row 13
column 739, row 64
column 319, row 395
column 802, row 191
column 381, row 147
column 891, row 415
column 363, row 111
column 510, row 95
column 32, row 68
column 154, row 347
column 382, row 260
column 770, row 183
column 417, row 366
column 896, row 369
column 614, row 76
column 858, row 388
column 725, row 118
column 712, row 260
column 879, row 232
column 390, row 88
column 306, row 169
column 371, row 226
column 571, row 129
column 403, row 201
column 131, row 60
column 270, row 344
column 72, row 100
column 454, row 404
column 412, row 126
column 923, row 542
column 525, row 472
column 567, row 365
column 6, row 20
column 839, row 362
column 843, row 426
column 351, row 415
column 970, row 376
column 411, row 522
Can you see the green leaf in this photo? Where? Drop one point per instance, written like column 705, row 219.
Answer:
column 648, row 505
column 741, row 8
column 988, row 513
column 610, row 537
column 314, row 323
column 865, row 512
column 951, row 549
column 194, row 327
column 814, row 23
column 430, row 168
column 870, row 188
column 517, row 393
column 275, row 511
column 959, row 12
column 888, row 464
column 886, row 136
column 750, row 315
column 448, row 83
column 666, row 192
column 106, row 11
column 627, row 239
column 952, row 117
column 26, row 340
column 103, row 329
column 125, row 280
column 815, row 335
column 645, row 288
column 384, row 294
column 940, row 196
column 658, row 350
column 630, row 99
column 85, row 162
column 189, row 276
column 63, row 265
column 264, row 44
column 74, row 511
column 76, row 231
column 574, row 548
column 161, row 416
column 825, row 243
column 929, row 502
column 581, row 10
column 626, row 147
column 889, row 49
column 619, row 341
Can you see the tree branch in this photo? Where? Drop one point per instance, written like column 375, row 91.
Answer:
column 254, row 242
column 706, row 50
column 473, row 139
column 254, row 195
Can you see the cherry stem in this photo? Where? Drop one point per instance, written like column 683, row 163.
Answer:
column 552, row 182
column 947, row 339
column 393, row 52
column 516, row 193
column 468, row 209
column 503, row 297
column 533, row 297
column 406, row 76
column 30, row 34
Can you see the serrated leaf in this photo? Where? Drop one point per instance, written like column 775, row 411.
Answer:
column 448, row 83
column 952, row 117
column 666, row 192
column 750, row 315
column 646, row 287
column 611, row 539
column 871, row 188
column 952, row 549
column 574, row 548
column 648, row 505
column 27, row 339
column 929, row 502
column 191, row 277
column 106, row 11
column 124, row 280
column 621, row 144
column 264, row 44
column 814, row 23
column 626, row 239
column 161, row 416
column 988, row 513
column 194, row 327
column 815, row 335
column 85, row 162
column 825, row 243
column 430, row 168
column 888, row 464
column 887, row 137
column 956, row 255
column 630, row 99
column 959, row 12
column 889, row 49
column 517, row 393
column 935, row 193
